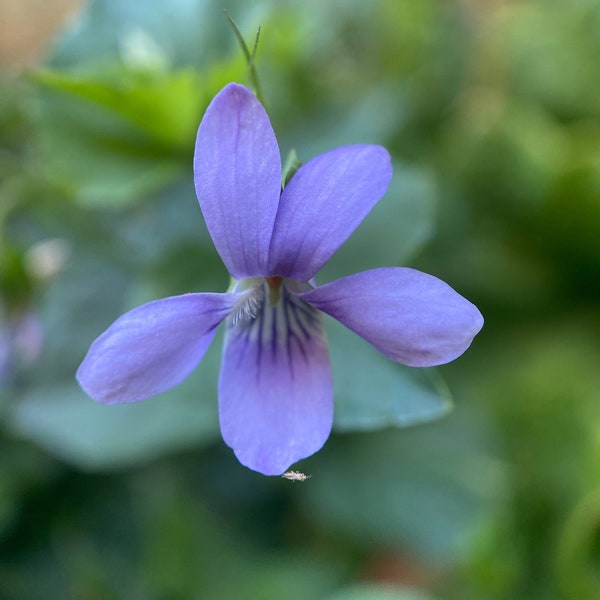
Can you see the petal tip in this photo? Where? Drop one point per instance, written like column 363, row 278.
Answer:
column 234, row 89
column 272, row 466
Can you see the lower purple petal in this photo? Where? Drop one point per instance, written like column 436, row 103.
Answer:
column 275, row 388
column 411, row 317
column 152, row 348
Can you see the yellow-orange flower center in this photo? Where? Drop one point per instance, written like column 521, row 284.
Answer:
column 274, row 282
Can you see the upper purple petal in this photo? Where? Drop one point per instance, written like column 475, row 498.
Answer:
column 323, row 204
column 275, row 388
column 411, row 317
column 153, row 347
column 237, row 174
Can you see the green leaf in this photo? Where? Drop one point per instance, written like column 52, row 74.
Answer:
column 164, row 105
column 372, row 392
column 64, row 421
column 426, row 489
column 399, row 225
column 116, row 133
column 170, row 222
column 106, row 160
column 379, row 592
column 82, row 301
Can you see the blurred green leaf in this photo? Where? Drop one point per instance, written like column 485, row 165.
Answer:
column 170, row 224
column 23, row 469
column 399, row 225
column 190, row 547
column 571, row 217
column 367, row 118
column 106, row 161
column 75, row 310
column 116, row 133
column 372, row 392
column 553, row 54
column 508, row 153
column 379, row 592
column 427, row 488
column 164, row 105
column 67, row 423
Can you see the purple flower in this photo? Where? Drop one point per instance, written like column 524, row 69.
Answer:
column 275, row 387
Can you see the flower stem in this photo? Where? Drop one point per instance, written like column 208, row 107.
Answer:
column 250, row 57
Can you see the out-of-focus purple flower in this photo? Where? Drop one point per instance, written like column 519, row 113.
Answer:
column 275, row 387
column 21, row 341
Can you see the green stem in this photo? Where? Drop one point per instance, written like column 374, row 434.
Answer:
column 250, row 57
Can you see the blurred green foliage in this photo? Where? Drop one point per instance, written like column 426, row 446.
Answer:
column 492, row 116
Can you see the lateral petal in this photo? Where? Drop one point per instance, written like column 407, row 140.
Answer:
column 237, row 174
column 152, row 348
column 411, row 317
column 275, row 387
column 324, row 202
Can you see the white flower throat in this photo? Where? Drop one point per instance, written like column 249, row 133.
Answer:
column 272, row 315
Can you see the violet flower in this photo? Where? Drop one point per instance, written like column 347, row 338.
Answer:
column 275, row 386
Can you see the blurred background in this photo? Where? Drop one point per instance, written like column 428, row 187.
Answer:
column 479, row 480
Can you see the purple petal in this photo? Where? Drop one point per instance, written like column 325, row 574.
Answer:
column 413, row 318
column 323, row 204
column 152, row 347
column 237, row 173
column 275, row 388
